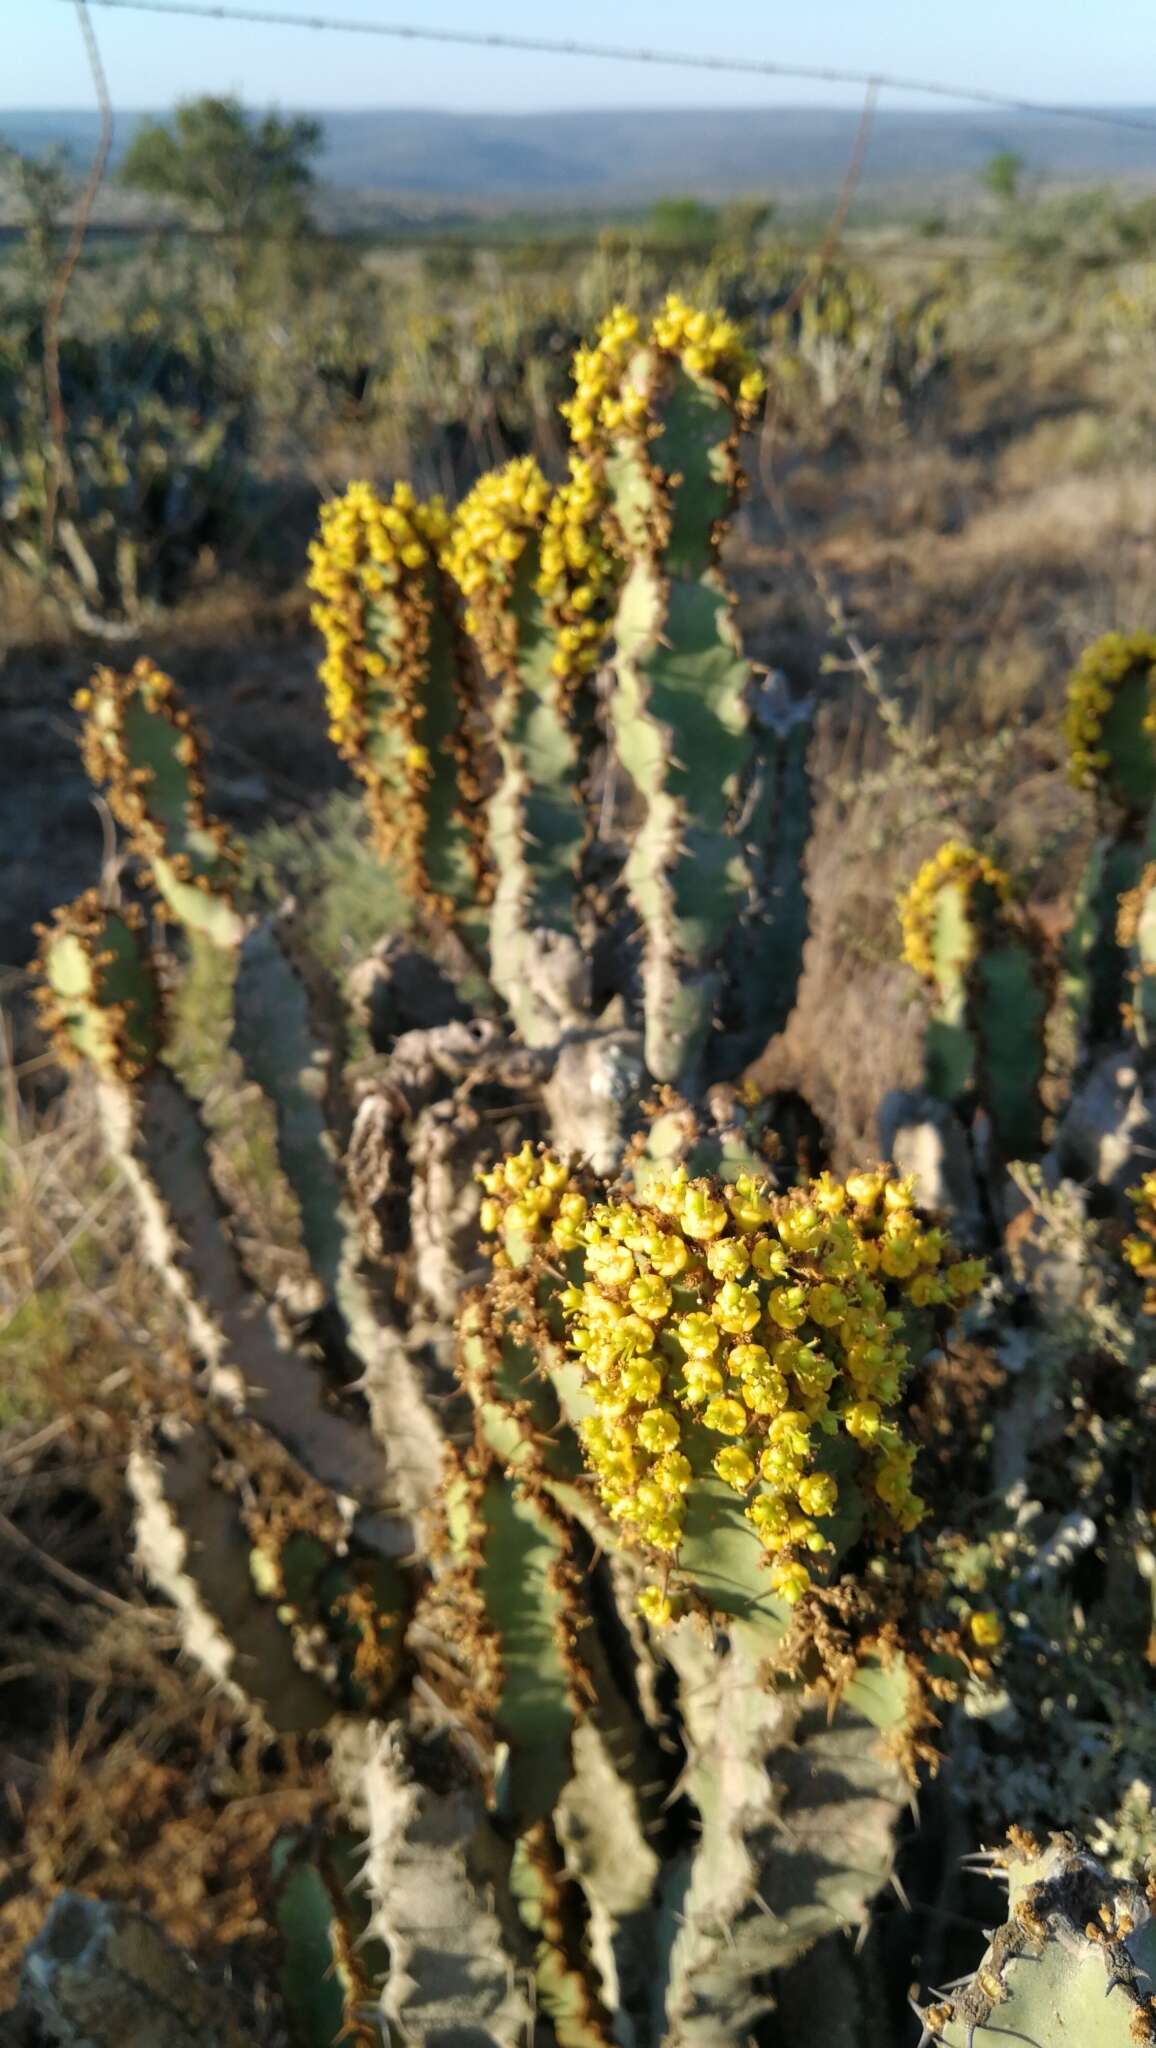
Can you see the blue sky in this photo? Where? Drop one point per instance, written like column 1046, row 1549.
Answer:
column 1091, row 51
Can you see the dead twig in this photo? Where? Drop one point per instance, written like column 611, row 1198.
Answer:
column 73, row 1581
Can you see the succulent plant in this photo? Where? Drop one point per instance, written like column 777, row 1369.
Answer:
column 1111, row 753
column 967, row 940
column 572, row 1494
column 1073, row 1961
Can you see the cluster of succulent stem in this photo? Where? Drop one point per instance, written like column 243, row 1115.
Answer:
column 380, row 603
column 1110, row 950
column 989, row 989
column 140, row 748
column 955, row 864
column 682, row 1386
column 369, row 552
column 1100, row 679
column 98, row 996
column 492, row 795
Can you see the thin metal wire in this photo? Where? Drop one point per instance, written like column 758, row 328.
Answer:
column 615, row 53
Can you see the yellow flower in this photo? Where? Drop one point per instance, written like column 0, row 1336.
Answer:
column 861, row 1420
column 610, row 1264
column 986, row 1629
column 818, row 1493
column 658, row 1430
column 768, row 1512
column 668, row 1255
column 749, row 1360
column 791, row 1579
column 727, row 1416
column 735, row 1467
column 736, row 1309
column 826, row 1305
column 750, row 1202
column 702, row 1381
column 770, row 1259
column 642, row 1381
column 655, row 1607
column 787, row 1306
column 727, row 1258
column 703, row 1215
column 650, row 1296
column 698, row 1335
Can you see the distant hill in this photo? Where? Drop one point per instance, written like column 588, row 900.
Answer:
column 578, row 160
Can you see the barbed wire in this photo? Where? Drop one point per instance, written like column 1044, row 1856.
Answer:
column 686, row 60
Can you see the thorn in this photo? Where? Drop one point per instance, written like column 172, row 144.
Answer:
column 1114, row 1984
column 770, row 1912
column 900, row 1893
column 926, row 2038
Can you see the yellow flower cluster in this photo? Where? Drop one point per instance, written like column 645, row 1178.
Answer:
column 1140, row 1251
column 373, row 554
column 954, row 862
column 724, row 1330
column 710, row 345
column 491, row 530
column 1095, row 682
column 531, row 1199
column 607, row 401
column 578, row 573
column 601, row 405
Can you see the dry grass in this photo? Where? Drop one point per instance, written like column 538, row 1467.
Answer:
column 75, row 1305
column 125, row 1777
